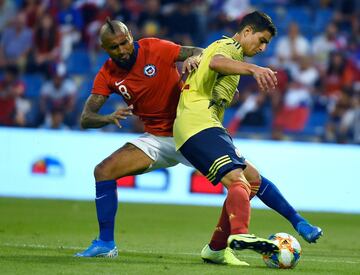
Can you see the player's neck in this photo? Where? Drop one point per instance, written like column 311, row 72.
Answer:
column 125, row 65
column 237, row 37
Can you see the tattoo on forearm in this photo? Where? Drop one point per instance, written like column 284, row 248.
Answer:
column 95, row 102
column 90, row 117
column 187, row 51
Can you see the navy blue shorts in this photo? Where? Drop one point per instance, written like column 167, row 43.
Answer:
column 213, row 153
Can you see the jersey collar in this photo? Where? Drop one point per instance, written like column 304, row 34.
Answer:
column 227, row 37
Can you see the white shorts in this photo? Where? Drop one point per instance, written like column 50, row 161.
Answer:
column 161, row 150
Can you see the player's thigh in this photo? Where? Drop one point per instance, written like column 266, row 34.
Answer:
column 160, row 149
column 251, row 173
column 128, row 160
column 168, row 154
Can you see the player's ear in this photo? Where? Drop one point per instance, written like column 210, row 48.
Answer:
column 248, row 30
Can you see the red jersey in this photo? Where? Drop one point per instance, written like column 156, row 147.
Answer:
column 152, row 85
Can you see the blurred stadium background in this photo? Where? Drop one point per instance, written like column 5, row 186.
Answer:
column 50, row 53
column 305, row 136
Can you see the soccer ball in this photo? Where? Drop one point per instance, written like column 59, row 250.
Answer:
column 289, row 254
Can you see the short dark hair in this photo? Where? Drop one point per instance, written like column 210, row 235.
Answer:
column 259, row 22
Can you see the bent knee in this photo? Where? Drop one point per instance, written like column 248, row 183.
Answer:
column 251, row 173
column 236, row 177
column 103, row 171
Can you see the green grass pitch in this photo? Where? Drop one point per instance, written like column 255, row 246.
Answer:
column 41, row 236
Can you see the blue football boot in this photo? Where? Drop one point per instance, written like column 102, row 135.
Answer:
column 310, row 233
column 99, row 248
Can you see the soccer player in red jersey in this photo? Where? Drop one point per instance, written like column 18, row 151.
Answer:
column 144, row 73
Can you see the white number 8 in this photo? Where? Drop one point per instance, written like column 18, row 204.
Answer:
column 123, row 90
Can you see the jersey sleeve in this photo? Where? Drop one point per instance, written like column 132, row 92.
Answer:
column 231, row 50
column 100, row 85
column 169, row 50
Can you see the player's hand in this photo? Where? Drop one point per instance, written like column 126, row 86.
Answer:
column 265, row 78
column 191, row 63
column 120, row 114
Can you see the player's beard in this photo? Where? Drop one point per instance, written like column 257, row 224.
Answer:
column 126, row 64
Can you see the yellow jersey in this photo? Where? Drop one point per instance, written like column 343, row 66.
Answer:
column 206, row 93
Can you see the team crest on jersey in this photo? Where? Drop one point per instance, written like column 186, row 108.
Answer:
column 237, row 152
column 150, row 70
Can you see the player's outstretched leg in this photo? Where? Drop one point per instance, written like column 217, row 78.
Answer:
column 249, row 241
column 224, row 256
column 270, row 195
column 309, row 232
column 99, row 248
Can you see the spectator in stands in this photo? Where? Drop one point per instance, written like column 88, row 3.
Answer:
column 33, row 10
column 116, row 11
column 340, row 75
column 58, row 95
column 16, row 42
column 46, row 51
column 218, row 26
column 297, row 101
column 250, row 112
column 305, row 73
column 113, row 9
column 7, row 12
column 55, row 120
column 182, row 23
column 336, row 113
column 349, row 127
column 151, row 21
column 236, row 9
column 13, row 107
column 89, row 11
column 353, row 51
column 291, row 47
column 346, row 12
column 70, row 22
column 325, row 43
column 277, row 97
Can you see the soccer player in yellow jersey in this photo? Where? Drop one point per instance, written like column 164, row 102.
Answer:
column 201, row 138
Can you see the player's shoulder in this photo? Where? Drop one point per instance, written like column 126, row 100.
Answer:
column 230, row 47
column 230, row 42
column 109, row 67
column 154, row 42
column 150, row 41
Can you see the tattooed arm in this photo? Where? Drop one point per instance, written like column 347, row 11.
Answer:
column 187, row 51
column 190, row 56
column 90, row 118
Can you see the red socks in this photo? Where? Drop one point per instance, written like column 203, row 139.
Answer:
column 235, row 215
column 255, row 185
column 222, row 231
column 238, row 208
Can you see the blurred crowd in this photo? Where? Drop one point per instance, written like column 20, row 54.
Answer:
column 49, row 54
